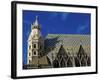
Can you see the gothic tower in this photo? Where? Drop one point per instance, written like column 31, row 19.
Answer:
column 35, row 44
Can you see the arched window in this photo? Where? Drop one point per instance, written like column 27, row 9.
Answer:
column 88, row 62
column 77, row 63
column 29, row 61
column 34, row 45
column 34, row 52
column 62, row 63
column 69, row 63
column 55, row 64
column 29, row 54
column 83, row 62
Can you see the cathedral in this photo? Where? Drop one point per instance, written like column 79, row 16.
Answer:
column 56, row 50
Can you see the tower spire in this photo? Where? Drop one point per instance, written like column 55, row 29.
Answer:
column 36, row 21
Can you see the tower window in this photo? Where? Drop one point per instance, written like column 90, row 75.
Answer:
column 29, row 53
column 34, row 52
column 29, row 61
column 34, row 45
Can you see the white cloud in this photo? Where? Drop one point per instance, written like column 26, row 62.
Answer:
column 81, row 28
column 64, row 16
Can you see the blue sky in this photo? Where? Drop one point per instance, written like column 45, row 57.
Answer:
column 55, row 23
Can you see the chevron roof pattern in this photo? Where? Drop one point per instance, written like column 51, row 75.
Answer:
column 70, row 42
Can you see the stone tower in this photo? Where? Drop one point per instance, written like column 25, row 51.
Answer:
column 35, row 44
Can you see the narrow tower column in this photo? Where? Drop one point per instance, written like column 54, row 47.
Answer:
column 35, row 44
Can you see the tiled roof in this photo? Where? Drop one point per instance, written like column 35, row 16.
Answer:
column 68, row 39
column 71, row 43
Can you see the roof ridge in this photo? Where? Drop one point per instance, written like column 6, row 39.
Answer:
column 68, row 34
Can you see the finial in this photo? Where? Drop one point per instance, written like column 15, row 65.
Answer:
column 36, row 17
column 36, row 21
column 61, row 42
column 80, row 42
